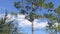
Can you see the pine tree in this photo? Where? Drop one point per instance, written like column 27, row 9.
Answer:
column 4, row 27
column 31, row 15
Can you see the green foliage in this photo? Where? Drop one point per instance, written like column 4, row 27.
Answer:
column 45, row 5
column 22, row 12
column 50, row 16
column 58, row 27
column 57, row 10
column 40, row 2
column 58, row 20
column 51, row 5
column 16, row 4
column 48, row 5
column 5, row 28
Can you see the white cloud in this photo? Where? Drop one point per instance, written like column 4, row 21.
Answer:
column 21, row 16
column 2, row 15
column 25, row 23
column 40, row 24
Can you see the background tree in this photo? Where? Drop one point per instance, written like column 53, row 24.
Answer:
column 5, row 28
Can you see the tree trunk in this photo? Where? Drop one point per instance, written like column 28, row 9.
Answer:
column 32, row 28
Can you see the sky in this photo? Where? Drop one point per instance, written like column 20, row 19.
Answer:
column 8, row 5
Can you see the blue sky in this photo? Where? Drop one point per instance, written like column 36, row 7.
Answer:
column 8, row 5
